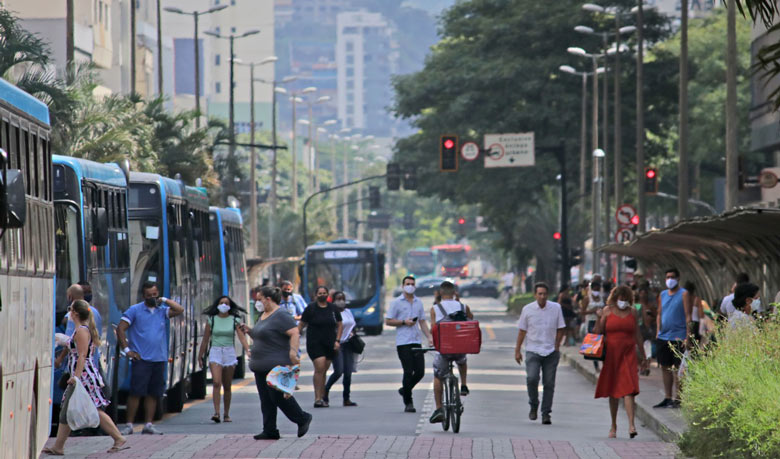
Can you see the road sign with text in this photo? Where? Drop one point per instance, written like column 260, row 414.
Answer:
column 509, row 150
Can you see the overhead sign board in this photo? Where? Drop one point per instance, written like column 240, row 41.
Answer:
column 624, row 214
column 509, row 150
column 469, row 151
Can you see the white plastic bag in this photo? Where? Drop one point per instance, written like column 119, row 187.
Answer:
column 684, row 364
column 82, row 412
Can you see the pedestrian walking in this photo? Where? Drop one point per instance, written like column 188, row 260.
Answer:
column 219, row 339
column 569, row 315
column 541, row 322
column 81, row 346
column 592, row 305
column 407, row 314
column 673, row 326
column 324, row 324
column 143, row 335
column 344, row 362
column 647, row 324
column 618, row 379
column 293, row 303
column 74, row 293
column 275, row 338
column 746, row 296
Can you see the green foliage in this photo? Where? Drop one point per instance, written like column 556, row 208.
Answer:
column 17, row 45
column 516, row 303
column 731, row 395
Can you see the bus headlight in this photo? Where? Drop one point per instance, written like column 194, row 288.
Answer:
column 371, row 310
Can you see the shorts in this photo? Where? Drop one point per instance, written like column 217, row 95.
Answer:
column 223, row 356
column 317, row 348
column 669, row 353
column 441, row 363
column 147, row 378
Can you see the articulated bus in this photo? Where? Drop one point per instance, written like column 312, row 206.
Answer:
column 26, row 273
column 420, row 262
column 454, row 259
column 357, row 269
column 91, row 242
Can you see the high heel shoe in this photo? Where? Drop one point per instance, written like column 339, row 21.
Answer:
column 632, row 433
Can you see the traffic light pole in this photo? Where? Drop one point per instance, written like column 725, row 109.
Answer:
column 563, row 223
column 343, row 185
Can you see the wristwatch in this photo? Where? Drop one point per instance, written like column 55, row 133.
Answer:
column 126, row 349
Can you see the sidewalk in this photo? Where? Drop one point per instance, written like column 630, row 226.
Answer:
column 667, row 423
column 360, row 446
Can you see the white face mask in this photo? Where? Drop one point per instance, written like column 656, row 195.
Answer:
column 622, row 304
column 259, row 306
column 756, row 304
column 595, row 294
column 341, row 304
column 409, row 289
column 671, row 283
column 223, row 308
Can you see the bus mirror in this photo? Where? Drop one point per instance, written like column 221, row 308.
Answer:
column 13, row 206
column 100, row 227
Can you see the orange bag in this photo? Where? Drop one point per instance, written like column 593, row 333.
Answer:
column 593, row 347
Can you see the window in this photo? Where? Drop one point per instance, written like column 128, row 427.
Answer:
column 350, row 97
column 350, row 71
column 350, row 46
column 350, row 84
column 218, row 87
column 350, row 59
column 232, row 2
column 350, row 30
column 232, row 30
column 217, row 59
column 100, row 12
column 217, row 30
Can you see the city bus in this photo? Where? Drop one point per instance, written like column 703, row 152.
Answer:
column 91, row 244
column 420, row 262
column 355, row 268
column 226, row 226
column 453, row 259
column 26, row 273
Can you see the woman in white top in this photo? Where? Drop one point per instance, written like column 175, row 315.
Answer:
column 344, row 363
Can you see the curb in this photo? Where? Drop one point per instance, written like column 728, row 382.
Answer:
column 644, row 412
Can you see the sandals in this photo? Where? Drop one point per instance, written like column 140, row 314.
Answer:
column 632, row 433
column 215, row 418
column 227, row 419
column 52, row 452
column 120, row 447
column 612, row 433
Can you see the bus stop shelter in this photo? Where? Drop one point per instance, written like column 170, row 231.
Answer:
column 711, row 250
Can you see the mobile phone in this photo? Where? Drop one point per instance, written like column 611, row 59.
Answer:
column 414, row 319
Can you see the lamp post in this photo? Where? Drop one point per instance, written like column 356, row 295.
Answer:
column 295, row 99
column 275, row 89
column 314, row 157
column 597, row 182
column 195, row 15
column 345, row 195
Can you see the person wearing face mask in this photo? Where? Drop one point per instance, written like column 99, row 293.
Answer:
column 219, row 335
column 673, row 326
column 746, row 297
column 291, row 302
column 619, row 379
column 592, row 306
column 325, row 325
column 143, row 336
column 344, row 363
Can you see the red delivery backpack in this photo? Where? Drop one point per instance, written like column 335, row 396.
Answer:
column 455, row 334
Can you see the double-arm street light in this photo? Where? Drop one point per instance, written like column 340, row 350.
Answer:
column 195, row 15
column 295, row 99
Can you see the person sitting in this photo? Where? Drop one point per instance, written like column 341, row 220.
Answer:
column 441, row 310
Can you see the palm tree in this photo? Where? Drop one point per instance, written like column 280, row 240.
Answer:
column 18, row 46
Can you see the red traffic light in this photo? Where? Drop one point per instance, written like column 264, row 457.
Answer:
column 461, row 221
column 635, row 220
column 557, row 235
column 448, row 144
column 650, row 173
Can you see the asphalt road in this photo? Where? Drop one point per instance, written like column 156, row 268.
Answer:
column 497, row 406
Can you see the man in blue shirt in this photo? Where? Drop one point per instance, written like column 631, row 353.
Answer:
column 143, row 335
column 291, row 302
column 673, row 324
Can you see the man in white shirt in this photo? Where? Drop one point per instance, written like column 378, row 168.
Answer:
column 407, row 314
column 542, row 323
column 440, row 311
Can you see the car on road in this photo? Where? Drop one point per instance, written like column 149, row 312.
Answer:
column 425, row 286
column 479, row 287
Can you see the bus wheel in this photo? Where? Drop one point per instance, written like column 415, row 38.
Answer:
column 373, row 331
column 198, row 384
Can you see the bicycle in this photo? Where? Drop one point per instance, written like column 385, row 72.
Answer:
column 450, row 404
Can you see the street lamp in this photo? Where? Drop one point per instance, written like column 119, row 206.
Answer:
column 597, row 179
column 295, row 100
column 195, row 15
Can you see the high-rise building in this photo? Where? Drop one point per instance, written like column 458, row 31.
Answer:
column 366, row 57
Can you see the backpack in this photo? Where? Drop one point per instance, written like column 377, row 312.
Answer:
column 457, row 316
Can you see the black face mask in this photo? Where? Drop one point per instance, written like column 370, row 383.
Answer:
column 88, row 298
column 286, row 294
column 151, row 302
column 322, row 298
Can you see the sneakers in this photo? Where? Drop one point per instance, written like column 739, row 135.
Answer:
column 303, row 428
column 265, row 436
column 437, row 416
column 349, row 403
column 532, row 414
column 127, row 429
column 676, row 404
column 150, row 429
column 464, row 390
column 665, row 403
column 409, row 408
column 546, row 419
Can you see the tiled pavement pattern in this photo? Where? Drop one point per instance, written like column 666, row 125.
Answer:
column 363, row 446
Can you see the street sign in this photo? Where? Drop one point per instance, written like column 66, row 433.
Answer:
column 767, row 179
column 624, row 214
column 378, row 221
column 469, row 151
column 624, row 235
column 509, row 150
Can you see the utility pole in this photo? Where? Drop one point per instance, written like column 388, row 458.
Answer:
column 732, row 158
column 345, row 196
column 605, row 141
column 584, row 138
column 618, row 147
column 294, row 157
column 159, row 51
column 69, row 41
column 197, row 72
column 132, row 47
column 682, row 167
column 640, row 119
column 253, row 161
column 272, row 198
column 595, row 195
column 232, row 127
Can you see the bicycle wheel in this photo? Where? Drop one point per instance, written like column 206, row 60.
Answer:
column 445, row 406
column 455, row 405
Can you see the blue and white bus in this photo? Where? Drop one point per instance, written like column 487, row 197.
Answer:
column 26, row 273
column 91, row 242
column 357, row 269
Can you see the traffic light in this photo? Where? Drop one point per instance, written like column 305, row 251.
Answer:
column 462, row 226
column 374, row 198
column 651, row 180
column 448, row 153
column 393, row 176
column 410, row 178
column 635, row 220
column 575, row 257
column 557, row 236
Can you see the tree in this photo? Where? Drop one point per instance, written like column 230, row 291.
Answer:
column 18, row 46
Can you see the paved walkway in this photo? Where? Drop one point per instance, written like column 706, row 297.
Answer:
column 360, row 446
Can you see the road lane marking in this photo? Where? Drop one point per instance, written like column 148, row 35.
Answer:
column 491, row 334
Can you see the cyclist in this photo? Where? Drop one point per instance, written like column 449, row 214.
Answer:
column 448, row 309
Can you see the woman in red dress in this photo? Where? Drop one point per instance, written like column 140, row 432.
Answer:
column 619, row 377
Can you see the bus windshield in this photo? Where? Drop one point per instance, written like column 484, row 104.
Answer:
column 68, row 261
column 351, row 271
column 420, row 263
column 145, row 253
column 453, row 259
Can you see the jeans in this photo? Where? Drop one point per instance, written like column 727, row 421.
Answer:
column 413, row 364
column 343, row 364
column 548, row 364
column 270, row 400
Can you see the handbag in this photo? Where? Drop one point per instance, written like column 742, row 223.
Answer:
column 593, row 347
column 357, row 344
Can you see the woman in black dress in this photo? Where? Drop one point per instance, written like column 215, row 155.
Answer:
column 323, row 320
